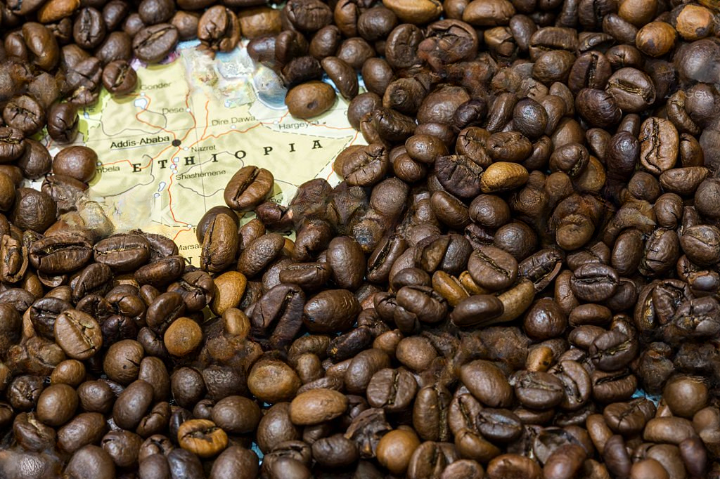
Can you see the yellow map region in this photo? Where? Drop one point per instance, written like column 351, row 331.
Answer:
column 167, row 151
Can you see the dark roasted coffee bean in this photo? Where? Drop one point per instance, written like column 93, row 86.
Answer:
column 659, row 142
column 308, row 15
column 598, row 107
column 459, row 174
column 15, row 260
column 78, row 334
column 62, row 122
column 392, row 390
column 33, row 210
column 632, row 89
column 152, row 44
column 365, row 166
column 594, row 282
column 537, row 390
column 36, row 161
column 12, row 144
column 249, row 187
column 477, row 310
column 219, row 29
column 613, row 350
column 492, row 268
column 89, row 28
column 122, row 253
column 77, row 162
column 119, row 77
column 161, row 272
column 332, row 310
column 278, row 317
column 220, row 244
column 25, row 114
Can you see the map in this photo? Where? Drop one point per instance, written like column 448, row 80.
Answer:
column 167, row 150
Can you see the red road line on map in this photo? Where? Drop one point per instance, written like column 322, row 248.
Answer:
column 170, row 202
column 207, row 118
column 137, row 117
column 119, row 161
column 187, row 106
column 181, row 231
column 228, row 132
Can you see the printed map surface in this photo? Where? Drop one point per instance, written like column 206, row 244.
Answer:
column 167, row 151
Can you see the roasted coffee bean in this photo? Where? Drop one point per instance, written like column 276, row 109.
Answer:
column 36, row 161
column 116, row 46
column 94, row 279
column 119, row 78
column 219, row 29
column 598, row 107
column 628, row 418
column 62, row 122
column 365, row 166
column 33, row 210
column 32, row 434
column 89, row 28
column 20, row 299
column 249, row 187
column 509, row 146
column 182, row 337
column 77, row 162
column 25, row 114
column 56, row 404
column 537, row 390
column 392, row 390
column 342, row 75
column 196, row 288
column 335, row 451
column 332, row 310
column 594, row 282
column 487, row 383
column 152, row 44
column 237, row 461
column 310, row 99
column 347, row 261
column 90, row 461
column 477, row 310
column 15, row 260
column 161, row 272
column 12, row 144
column 278, row 316
column 349, row 344
column 632, row 89
column 66, row 191
column 459, row 174
column 78, row 334
column 308, row 15
column 492, row 268
column 202, row 437
column 658, row 145
column 122, row 253
column 220, row 244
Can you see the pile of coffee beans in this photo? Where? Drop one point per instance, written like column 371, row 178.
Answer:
column 516, row 278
